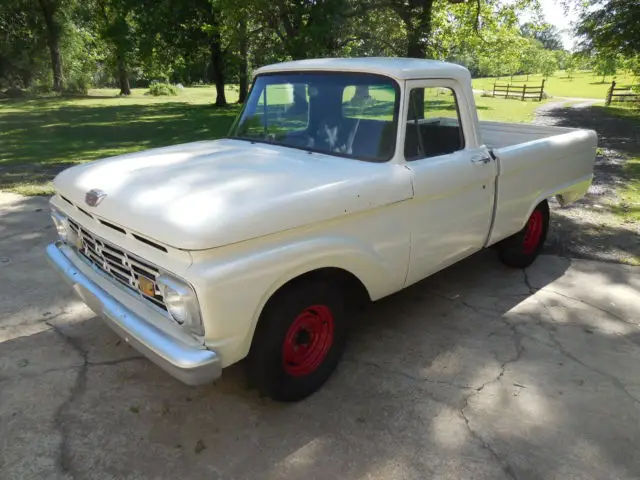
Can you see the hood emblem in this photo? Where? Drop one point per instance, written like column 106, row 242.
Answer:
column 94, row 196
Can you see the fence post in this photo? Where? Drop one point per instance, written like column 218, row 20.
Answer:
column 494, row 89
column 524, row 89
column 610, row 93
column 507, row 95
column 541, row 90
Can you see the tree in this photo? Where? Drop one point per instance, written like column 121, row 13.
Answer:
column 612, row 25
column 194, row 30
column 546, row 34
column 632, row 64
column 605, row 63
column 116, row 26
column 309, row 28
column 570, row 65
column 548, row 63
column 530, row 59
column 23, row 44
column 50, row 11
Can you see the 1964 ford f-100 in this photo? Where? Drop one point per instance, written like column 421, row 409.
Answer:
column 342, row 181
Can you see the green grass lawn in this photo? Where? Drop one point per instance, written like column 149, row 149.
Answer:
column 629, row 191
column 582, row 85
column 39, row 137
column 629, row 208
column 506, row 110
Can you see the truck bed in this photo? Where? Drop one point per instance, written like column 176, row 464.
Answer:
column 535, row 163
column 500, row 134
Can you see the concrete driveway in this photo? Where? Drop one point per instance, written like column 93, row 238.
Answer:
column 479, row 372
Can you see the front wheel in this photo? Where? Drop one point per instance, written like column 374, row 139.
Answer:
column 299, row 341
column 521, row 249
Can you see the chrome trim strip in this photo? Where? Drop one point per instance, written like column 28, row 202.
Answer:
column 190, row 365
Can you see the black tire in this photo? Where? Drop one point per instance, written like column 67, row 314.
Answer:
column 521, row 249
column 293, row 309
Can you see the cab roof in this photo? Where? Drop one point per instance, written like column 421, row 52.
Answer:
column 397, row 68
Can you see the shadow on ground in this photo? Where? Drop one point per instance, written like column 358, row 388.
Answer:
column 477, row 372
column 589, row 228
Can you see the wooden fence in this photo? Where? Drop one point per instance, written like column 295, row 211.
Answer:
column 522, row 92
column 623, row 93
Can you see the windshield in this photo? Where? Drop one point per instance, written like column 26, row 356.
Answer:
column 349, row 114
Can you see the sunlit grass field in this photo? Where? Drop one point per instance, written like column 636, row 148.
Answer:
column 583, row 84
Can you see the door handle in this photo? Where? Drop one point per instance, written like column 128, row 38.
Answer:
column 484, row 159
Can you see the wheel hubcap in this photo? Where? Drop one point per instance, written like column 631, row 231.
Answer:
column 308, row 340
column 533, row 232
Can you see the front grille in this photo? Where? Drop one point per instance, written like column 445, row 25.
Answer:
column 118, row 264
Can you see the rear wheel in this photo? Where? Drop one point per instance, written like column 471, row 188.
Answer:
column 521, row 249
column 299, row 340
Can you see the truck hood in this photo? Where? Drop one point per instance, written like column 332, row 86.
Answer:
column 208, row 194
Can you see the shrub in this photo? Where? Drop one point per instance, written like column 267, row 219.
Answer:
column 78, row 85
column 15, row 92
column 159, row 89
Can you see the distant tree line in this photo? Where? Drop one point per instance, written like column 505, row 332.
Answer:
column 72, row 45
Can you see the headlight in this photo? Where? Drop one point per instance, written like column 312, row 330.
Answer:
column 62, row 226
column 181, row 302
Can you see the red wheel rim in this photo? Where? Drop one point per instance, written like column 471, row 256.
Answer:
column 308, row 340
column 533, row 232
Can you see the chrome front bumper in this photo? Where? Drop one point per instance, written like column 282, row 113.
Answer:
column 190, row 365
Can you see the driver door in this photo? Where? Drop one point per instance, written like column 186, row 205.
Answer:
column 453, row 179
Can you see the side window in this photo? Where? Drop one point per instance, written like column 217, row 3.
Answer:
column 433, row 123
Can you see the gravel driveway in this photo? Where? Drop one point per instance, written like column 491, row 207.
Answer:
column 589, row 228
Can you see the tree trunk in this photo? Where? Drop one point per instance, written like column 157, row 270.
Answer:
column 244, row 62
column 300, row 104
column 217, row 69
column 418, row 32
column 123, row 76
column 415, row 47
column 53, row 39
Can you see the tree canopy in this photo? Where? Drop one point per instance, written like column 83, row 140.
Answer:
column 71, row 45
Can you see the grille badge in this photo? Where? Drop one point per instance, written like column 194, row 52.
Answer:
column 94, row 196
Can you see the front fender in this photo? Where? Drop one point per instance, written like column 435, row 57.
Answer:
column 233, row 284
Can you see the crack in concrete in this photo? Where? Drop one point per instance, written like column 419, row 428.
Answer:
column 504, row 465
column 617, row 383
column 21, row 376
column 519, row 351
column 65, row 456
column 116, row 361
column 617, row 317
column 407, row 375
column 533, row 290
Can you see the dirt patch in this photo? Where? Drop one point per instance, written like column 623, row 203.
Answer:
column 590, row 228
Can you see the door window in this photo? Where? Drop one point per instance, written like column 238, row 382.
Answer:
column 433, row 123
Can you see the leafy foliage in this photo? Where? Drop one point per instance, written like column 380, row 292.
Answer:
column 158, row 89
column 612, row 25
column 72, row 45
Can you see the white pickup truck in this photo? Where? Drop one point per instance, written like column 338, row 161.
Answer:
column 341, row 182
